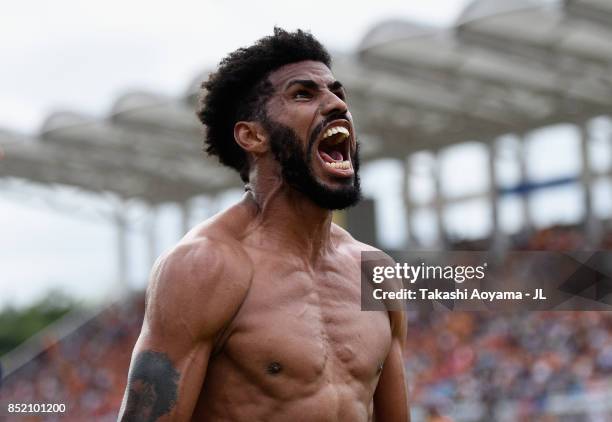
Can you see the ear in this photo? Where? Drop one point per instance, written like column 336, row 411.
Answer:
column 251, row 137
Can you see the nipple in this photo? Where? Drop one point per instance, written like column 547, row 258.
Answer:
column 274, row 368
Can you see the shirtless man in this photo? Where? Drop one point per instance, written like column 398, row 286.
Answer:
column 255, row 314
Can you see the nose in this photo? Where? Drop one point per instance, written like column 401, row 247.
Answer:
column 333, row 104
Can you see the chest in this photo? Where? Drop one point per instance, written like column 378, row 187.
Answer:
column 308, row 326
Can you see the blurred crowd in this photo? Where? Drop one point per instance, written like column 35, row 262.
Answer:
column 451, row 357
column 484, row 357
column 86, row 370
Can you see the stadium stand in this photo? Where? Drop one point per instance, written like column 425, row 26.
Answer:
column 85, row 370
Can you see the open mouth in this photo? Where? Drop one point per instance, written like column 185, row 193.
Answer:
column 334, row 147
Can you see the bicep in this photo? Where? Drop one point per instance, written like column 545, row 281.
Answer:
column 190, row 299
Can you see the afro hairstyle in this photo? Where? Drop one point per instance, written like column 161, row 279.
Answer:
column 239, row 90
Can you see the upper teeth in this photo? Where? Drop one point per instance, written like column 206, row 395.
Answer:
column 338, row 129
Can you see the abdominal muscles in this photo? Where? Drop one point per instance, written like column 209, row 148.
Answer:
column 229, row 396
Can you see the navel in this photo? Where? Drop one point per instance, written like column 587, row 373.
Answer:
column 274, row 368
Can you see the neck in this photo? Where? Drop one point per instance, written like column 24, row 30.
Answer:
column 289, row 218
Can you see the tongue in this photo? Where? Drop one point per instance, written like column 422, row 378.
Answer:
column 336, row 155
column 331, row 156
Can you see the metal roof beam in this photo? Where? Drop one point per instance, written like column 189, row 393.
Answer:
column 108, row 142
column 50, row 163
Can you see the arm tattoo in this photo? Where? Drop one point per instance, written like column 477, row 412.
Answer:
column 152, row 387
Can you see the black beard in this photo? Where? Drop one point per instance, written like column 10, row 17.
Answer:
column 296, row 168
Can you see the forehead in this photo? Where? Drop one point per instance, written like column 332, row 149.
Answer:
column 312, row 70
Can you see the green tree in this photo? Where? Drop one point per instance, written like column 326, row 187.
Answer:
column 19, row 324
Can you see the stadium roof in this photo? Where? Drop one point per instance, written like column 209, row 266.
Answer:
column 505, row 67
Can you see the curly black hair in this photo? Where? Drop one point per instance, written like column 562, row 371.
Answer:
column 239, row 89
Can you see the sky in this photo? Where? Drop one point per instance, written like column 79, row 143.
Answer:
column 75, row 55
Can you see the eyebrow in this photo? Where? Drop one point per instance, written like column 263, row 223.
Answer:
column 309, row 83
column 335, row 86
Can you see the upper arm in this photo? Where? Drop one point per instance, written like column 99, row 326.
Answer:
column 391, row 395
column 192, row 296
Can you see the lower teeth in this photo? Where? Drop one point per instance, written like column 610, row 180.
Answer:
column 339, row 164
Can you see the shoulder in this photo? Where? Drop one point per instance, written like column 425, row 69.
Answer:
column 351, row 245
column 199, row 284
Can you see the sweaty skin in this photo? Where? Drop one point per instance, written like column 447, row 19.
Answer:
column 255, row 315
